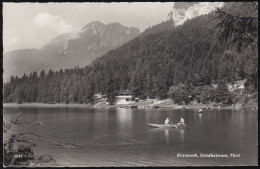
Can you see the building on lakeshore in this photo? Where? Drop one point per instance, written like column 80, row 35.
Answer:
column 124, row 97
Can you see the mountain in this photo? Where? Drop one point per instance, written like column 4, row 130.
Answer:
column 61, row 40
column 69, row 49
column 94, row 40
column 183, row 11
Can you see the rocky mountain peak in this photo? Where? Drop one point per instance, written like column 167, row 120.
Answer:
column 96, row 38
column 183, row 11
column 93, row 25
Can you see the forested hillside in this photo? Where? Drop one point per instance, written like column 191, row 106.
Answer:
column 162, row 60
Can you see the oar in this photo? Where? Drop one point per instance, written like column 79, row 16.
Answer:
column 175, row 125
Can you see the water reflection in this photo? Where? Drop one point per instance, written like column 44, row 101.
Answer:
column 123, row 115
column 182, row 136
column 166, row 131
column 200, row 114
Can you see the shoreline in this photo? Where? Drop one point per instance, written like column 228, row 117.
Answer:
column 141, row 105
column 45, row 105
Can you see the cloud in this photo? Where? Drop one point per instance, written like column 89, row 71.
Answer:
column 53, row 23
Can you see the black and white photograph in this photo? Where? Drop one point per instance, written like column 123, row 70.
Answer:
column 129, row 84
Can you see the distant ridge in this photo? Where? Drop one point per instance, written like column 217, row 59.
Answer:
column 69, row 49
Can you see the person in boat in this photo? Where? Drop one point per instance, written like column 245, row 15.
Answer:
column 181, row 122
column 167, row 121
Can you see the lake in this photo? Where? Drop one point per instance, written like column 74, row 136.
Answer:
column 121, row 137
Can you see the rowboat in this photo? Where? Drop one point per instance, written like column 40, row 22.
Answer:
column 167, row 125
column 181, row 126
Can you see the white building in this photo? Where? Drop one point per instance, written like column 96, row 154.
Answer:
column 124, row 97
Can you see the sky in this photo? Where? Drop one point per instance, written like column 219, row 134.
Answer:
column 32, row 25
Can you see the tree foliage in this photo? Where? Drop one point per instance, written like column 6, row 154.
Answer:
column 180, row 94
column 17, row 151
column 239, row 30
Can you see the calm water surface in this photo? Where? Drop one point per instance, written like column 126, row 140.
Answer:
column 121, row 137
